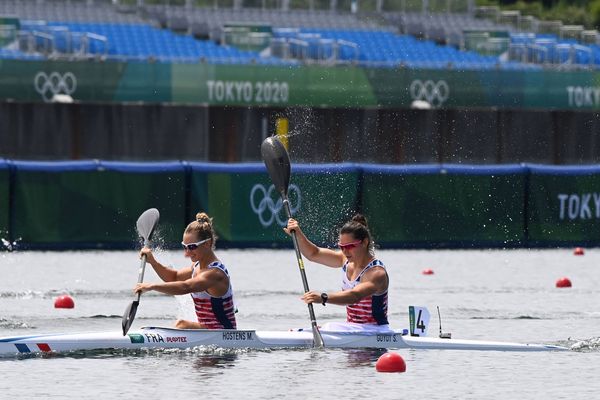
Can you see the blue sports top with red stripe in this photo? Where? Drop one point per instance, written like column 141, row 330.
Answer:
column 371, row 309
column 215, row 312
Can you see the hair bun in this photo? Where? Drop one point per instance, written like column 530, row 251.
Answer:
column 203, row 218
column 361, row 219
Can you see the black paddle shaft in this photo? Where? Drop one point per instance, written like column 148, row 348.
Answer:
column 286, row 205
column 318, row 339
column 278, row 165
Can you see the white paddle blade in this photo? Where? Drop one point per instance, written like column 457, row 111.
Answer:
column 147, row 222
column 419, row 320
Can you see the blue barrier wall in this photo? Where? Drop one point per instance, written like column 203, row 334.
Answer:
column 94, row 204
column 4, row 199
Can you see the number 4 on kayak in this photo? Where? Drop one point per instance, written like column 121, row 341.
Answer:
column 419, row 320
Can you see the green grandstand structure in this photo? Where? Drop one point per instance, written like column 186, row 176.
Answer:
column 449, row 125
column 428, row 72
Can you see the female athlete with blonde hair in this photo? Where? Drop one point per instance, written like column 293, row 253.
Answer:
column 207, row 279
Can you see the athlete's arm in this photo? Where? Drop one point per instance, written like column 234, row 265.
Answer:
column 165, row 273
column 312, row 252
column 206, row 280
column 374, row 281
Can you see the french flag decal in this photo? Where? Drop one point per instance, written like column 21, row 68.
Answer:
column 23, row 348
column 43, row 347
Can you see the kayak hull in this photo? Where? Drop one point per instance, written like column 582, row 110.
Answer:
column 163, row 337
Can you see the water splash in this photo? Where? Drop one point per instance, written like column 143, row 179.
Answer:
column 158, row 238
column 185, row 308
column 586, row 345
column 157, row 241
column 302, row 120
column 323, row 226
column 10, row 246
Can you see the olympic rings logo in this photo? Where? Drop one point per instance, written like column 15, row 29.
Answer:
column 269, row 210
column 55, row 83
column 435, row 93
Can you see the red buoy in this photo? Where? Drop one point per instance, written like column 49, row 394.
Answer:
column 427, row 271
column 64, row 301
column 563, row 282
column 390, row 362
column 578, row 251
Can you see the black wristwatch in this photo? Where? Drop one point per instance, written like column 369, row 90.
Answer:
column 324, row 298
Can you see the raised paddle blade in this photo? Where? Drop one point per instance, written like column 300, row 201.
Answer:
column 277, row 161
column 145, row 225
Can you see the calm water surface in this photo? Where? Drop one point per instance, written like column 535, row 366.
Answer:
column 482, row 294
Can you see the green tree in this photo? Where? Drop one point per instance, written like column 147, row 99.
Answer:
column 594, row 8
column 574, row 12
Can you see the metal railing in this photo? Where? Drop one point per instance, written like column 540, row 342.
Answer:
column 59, row 42
column 425, row 6
column 552, row 55
column 315, row 50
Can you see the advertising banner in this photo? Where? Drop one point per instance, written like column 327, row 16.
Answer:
column 82, row 204
column 94, row 204
column 446, row 206
column 564, row 205
column 285, row 86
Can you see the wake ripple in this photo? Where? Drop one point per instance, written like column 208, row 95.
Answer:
column 11, row 324
column 206, row 355
column 36, row 294
column 507, row 317
column 262, row 293
column 587, row 345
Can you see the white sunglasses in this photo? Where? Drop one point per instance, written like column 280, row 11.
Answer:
column 194, row 246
